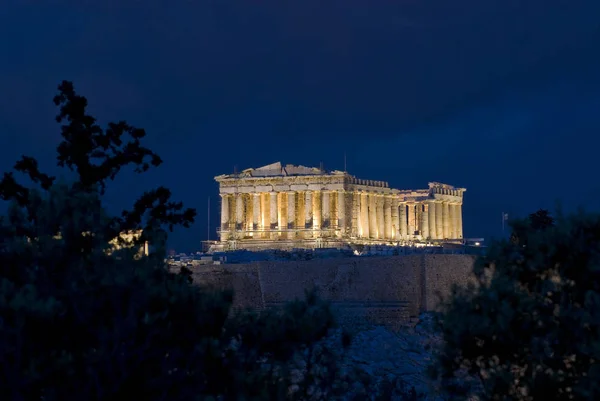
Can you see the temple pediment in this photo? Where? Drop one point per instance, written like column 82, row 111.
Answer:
column 291, row 169
column 276, row 170
column 269, row 169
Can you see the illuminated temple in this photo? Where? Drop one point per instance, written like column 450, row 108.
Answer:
column 284, row 207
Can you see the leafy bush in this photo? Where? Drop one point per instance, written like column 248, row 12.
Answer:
column 530, row 330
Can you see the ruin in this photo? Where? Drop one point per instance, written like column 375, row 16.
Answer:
column 285, row 207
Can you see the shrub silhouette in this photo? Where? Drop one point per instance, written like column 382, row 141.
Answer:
column 530, row 330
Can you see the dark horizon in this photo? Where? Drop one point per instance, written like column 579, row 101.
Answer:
column 501, row 98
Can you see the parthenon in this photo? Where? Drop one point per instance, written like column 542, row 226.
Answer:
column 290, row 206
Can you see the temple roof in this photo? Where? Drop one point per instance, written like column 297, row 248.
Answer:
column 278, row 170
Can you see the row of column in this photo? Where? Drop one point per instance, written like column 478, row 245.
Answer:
column 380, row 216
column 282, row 212
column 373, row 215
column 440, row 220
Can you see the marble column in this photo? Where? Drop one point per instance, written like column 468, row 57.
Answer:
column 364, row 214
column 255, row 211
column 299, row 222
column 357, row 217
column 395, row 219
column 459, row 220
column 341, row 208
column 412, row 220
column 355, row 224
column 291, row 210
column 425, row 221
column 456, row 221
column 273, row 210
column 334, row 212
column 403, row 221
column 248, row 215
column 446, row 219
column 264, row 214
column 325, row 210
column 373, row 227
column 263, row 207
column 452, row 221
column 387, row 217
column 224, row 212
column 308, row 210
column 419, row 219
column 239, row 211
column 439, row 224
column 380, row 217
column 232, row 212
column 432, row 230
column 317, row 220
column 281, row 211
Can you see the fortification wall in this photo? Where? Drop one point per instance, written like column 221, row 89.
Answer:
column 386, row 290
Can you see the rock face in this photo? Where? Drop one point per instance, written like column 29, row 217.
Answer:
column 397, row 360
column 381, row 365
column 401, row 357
column 404, row 355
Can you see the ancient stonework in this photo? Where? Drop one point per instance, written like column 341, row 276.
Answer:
column 386, row 290
column 285, row 207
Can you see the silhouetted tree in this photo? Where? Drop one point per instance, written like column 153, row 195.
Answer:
column 530, row 330
column 80, row 323
column 538, row 221
column 541, row 220
column 98, row 155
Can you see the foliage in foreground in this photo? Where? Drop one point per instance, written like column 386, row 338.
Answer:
column 530, row 331
column 80, row 323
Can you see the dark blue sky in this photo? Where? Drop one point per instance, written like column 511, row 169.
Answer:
column 501, row 97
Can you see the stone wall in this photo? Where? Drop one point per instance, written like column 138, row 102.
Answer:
column 387, row 290
column 441, row 273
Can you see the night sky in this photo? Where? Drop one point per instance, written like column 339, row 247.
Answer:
column 501, row 97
